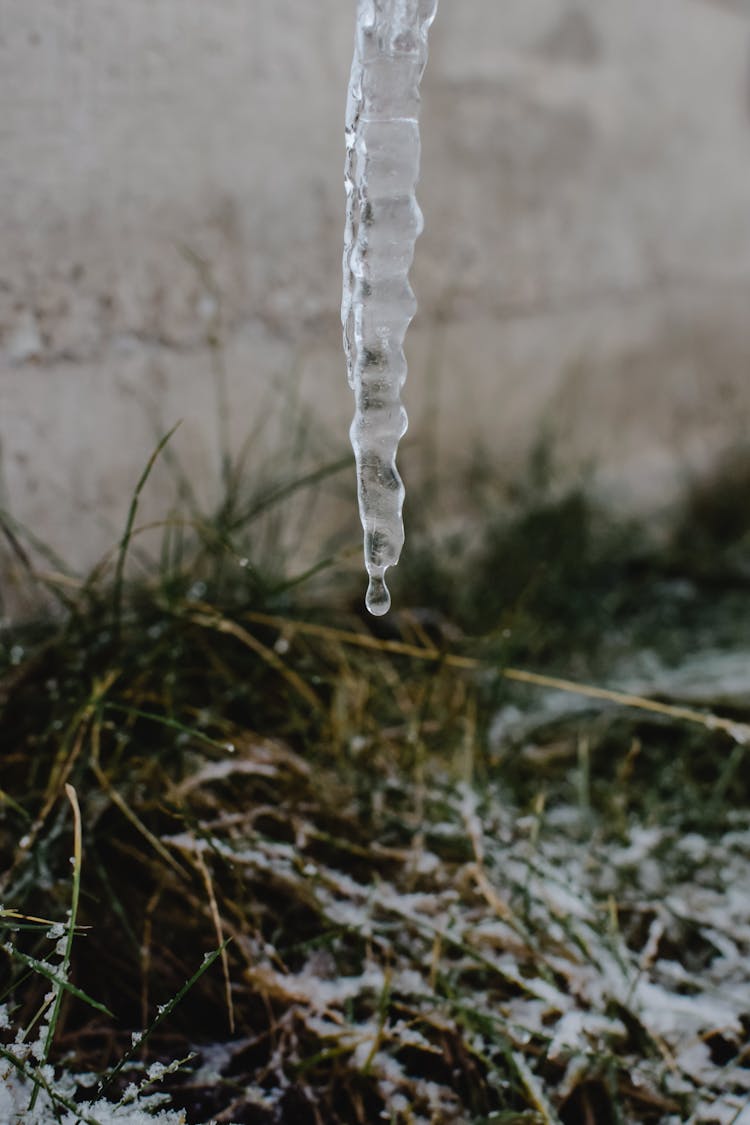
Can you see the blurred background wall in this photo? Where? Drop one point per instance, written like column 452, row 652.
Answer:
column 171, row 202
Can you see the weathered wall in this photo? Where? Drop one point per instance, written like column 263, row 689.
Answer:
column 584, row 273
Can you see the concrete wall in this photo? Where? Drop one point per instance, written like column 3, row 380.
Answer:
column 171, row 174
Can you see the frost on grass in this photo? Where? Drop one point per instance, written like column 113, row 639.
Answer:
column 15, row 1097
column 413, row 950
column 493, row 963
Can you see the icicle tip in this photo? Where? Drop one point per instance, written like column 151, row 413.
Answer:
column 378, row 598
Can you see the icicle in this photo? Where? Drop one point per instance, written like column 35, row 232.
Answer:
column 383, row 221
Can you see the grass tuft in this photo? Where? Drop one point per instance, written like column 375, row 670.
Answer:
column 469, row 864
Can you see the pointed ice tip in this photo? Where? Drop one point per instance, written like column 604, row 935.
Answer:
column 377, row 600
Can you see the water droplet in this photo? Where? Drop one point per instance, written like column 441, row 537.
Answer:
column 378, row 600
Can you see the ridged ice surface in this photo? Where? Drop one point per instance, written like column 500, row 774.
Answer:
column 383, row 221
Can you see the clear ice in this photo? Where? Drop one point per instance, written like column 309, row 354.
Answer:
column 383, row 221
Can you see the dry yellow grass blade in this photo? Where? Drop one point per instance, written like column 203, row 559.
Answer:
column 534, row 1090
column 205, row 874
column 17, row 916
column 123, row 806
column 361, row 640
column 61, row 769
column 211, row 620
column 737, row 731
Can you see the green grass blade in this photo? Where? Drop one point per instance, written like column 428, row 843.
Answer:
column 75, row 897
column 58, row 979
column 165, row 721
column 164, row 1013
column 128, row 533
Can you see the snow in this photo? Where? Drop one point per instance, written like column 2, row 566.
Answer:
column 15, row 1095
column 536, row 921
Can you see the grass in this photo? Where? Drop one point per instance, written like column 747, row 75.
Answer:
column 432, row 889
